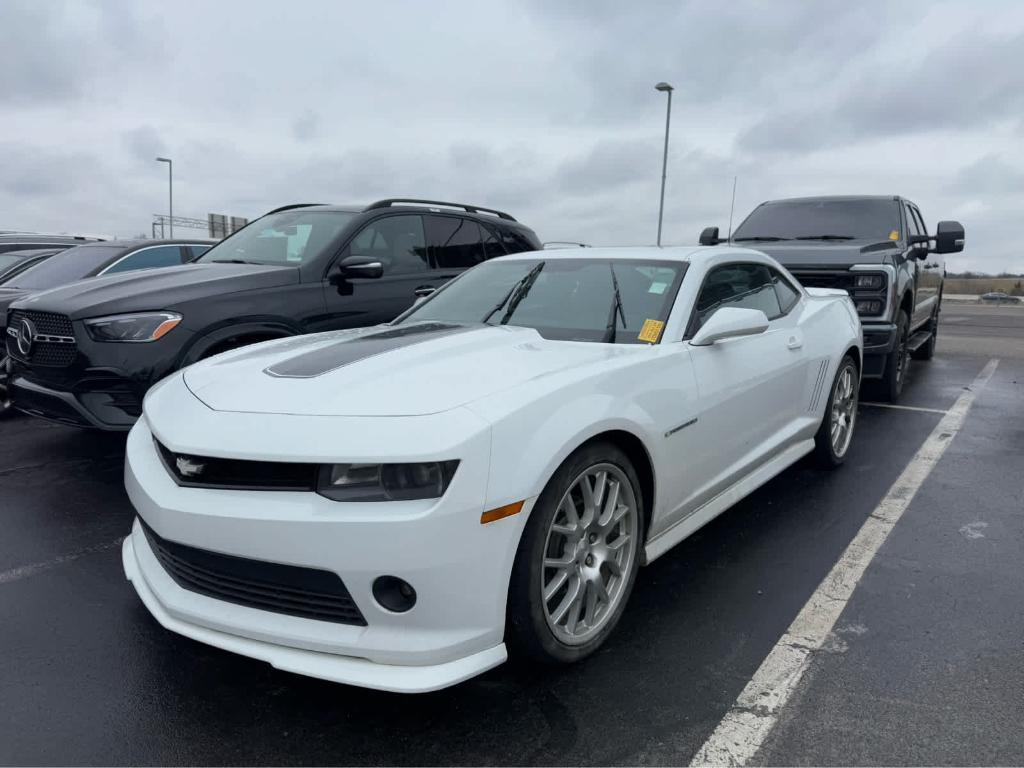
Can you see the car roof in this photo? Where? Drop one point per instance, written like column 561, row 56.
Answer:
column 35, row 252
column 680, row 253
column 831, row 198
column 127, row 245
column 480, row 214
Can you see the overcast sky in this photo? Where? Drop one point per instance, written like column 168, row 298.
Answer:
column 545, row 108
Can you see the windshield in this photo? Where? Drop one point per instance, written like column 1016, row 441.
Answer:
column 288, row 238
column 65, row 267
column 564, row 299
column 812, row 219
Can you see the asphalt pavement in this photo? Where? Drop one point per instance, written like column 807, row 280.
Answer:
column 925, row 666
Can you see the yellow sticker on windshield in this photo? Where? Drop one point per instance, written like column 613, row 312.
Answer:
column 651, row 331
column 894, row 235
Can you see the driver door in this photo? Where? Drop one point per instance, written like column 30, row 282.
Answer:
column 751, row 388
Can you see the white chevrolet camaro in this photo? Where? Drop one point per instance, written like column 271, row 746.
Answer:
column 398, row 507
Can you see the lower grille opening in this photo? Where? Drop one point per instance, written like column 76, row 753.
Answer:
column 309, row 593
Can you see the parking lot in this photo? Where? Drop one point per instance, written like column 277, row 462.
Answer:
column 925, row 664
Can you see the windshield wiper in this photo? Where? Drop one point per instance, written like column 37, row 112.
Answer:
column 825, row 237
column 515, row 295
column 760, row 238
column 616, row 309
column 230, row 261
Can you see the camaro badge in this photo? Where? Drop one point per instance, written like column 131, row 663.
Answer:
column 187, row 467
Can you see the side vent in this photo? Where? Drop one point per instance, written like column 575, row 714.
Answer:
column 819, row 385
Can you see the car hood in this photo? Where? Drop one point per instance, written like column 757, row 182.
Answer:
column 155, row 289
column 407, row 370
column 7, row 297
column 814, row 253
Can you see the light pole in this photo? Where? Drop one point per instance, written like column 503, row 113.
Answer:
column 170, row 190
column 664, row 161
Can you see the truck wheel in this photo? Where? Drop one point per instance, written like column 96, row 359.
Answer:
column 897, row 362
column 832, row 440
column 927, row 350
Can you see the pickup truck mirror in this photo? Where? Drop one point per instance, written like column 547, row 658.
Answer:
column 360, row 266
column 709, row 236
column 730, row 323
column 949, row 237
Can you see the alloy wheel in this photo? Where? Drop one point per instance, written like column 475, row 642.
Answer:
column 588, row 553
column 844, row 411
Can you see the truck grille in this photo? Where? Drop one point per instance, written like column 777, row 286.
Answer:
column 809, row 279
column 309, row 593
column 51, row 353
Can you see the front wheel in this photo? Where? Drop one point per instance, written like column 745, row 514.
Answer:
column 832, row 441
column 578, row 558
column 897, row 362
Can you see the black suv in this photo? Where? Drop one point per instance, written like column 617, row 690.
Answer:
column 85, row 354
column 879, row 251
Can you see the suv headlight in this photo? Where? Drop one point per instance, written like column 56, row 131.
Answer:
column 385, row 482
column 144, row 326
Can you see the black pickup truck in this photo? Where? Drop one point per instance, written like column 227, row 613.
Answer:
column 877, row 249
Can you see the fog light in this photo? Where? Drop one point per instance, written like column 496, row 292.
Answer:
column 869, row 307
column 394, row 594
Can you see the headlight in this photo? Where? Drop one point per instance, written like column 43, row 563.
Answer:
column 146, row 326
column 869, row 307
column 869, row 281
column 385, row 482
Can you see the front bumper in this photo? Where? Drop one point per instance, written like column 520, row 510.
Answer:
column 879, row 340
column 459, row 568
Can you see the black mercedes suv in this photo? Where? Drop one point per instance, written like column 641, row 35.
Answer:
column 85, row 354
column 877, row 248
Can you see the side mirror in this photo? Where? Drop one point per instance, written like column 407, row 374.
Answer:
column 709, row 236
column 949, row 237
column 360, row 266
column 730, row 323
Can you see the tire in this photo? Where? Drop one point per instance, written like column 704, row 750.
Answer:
column 897, row 362
column 6, row 409
column 927, row 350
column 831, row 447
column 557, row 630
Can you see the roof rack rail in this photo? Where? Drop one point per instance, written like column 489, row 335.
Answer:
column 291, row 207
column 469, row 208
column 552, row 245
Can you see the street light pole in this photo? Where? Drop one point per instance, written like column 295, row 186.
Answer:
column 665, row 87
column 170, row 191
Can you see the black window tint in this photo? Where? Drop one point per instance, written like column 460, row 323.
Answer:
column 66, row 267
column 148, row 258
column 397, row 242
column 744, row 286
column 492, row 245
column 788, row 295
column 514, row 242
column 868, row 219
column 456, row 242
column 198, row 250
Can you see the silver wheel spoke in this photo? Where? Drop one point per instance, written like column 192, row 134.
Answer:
column 583, row 575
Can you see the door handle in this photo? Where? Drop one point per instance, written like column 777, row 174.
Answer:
column 424, row 290
column 795, row 342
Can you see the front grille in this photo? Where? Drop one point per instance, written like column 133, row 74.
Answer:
column 842, row 280
column 54, row 354
column 310, row 593
column 237, row 474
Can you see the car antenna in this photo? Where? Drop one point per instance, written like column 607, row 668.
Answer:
column 731, row 209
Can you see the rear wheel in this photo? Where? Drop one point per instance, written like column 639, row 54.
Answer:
column 578, row 558
column 832, row 441
column 897, row 362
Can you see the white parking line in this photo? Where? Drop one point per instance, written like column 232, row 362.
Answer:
column 24, row 571
column 904, row 407
column 748, row 723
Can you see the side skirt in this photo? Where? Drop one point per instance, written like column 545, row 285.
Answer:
column 703, row 515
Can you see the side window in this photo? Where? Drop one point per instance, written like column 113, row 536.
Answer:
column 787, row 294
column 920, row 220
column 397, row 242
column 492, row 245
column 456, row 242
column 198, row 250
column 148, row 258
column 515, row 242
column 913, row 228
column 745, row 286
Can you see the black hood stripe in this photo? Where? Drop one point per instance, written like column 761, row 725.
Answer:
column 348, row 351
